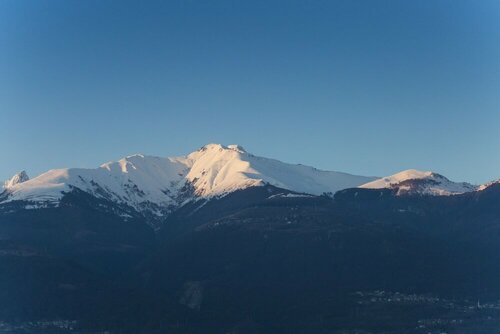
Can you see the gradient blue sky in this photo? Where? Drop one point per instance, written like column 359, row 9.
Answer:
column 367, row 87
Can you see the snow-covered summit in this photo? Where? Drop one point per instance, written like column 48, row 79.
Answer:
column 413, row 181
column 216, row 169
column 16, row 179
column 155, row 183
column 237, row 148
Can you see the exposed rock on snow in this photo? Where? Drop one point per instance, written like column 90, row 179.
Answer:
column 16, row 179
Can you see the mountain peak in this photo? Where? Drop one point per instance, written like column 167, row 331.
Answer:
column 19, row 177
column 408, row 174
column 237, row 148
column 212, row 146
column 220, row 147
column 412, row 181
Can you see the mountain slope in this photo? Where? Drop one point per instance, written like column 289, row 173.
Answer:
column 155, row 184
column 412, row 181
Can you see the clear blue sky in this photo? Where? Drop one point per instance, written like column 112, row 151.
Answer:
column 367, row 87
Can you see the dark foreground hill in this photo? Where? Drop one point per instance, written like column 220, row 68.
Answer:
column 260, row 260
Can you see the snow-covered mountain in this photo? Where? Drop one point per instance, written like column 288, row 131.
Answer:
column 412, row 181
column 156, row 184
